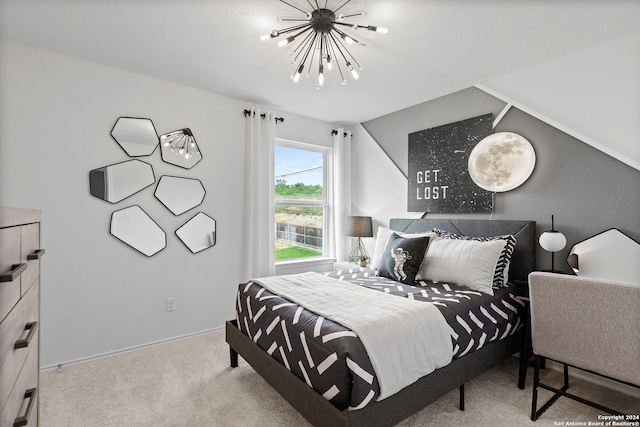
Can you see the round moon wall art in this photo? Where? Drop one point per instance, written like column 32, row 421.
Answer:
column 501, row 162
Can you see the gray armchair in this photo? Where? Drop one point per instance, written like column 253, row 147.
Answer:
column 589, row 324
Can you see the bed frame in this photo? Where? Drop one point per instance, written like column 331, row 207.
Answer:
column 429, row 388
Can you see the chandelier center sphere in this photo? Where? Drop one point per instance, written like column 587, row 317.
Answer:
column 322, row 20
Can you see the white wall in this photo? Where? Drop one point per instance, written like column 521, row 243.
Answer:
column 594, row 95
column 99, row 295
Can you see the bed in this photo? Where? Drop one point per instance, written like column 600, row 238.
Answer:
column 356, row 406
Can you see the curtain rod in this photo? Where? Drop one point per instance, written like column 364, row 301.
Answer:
column 248, row 113
column 335, row 132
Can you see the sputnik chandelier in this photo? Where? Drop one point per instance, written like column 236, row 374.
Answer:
column 318, row 36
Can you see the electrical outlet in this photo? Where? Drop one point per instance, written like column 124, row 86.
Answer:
column 171, row 304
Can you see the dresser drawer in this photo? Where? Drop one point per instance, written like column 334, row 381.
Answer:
column 30, row 238
column 18, row 326
column 9, row 257
column 18, row 404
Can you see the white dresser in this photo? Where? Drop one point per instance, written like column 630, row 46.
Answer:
column 20, row 254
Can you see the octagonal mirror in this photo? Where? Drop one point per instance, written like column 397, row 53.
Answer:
column 199, row 233
column 179, row 194
column 116, row 182
column 134, row 227
column 610, row 255
column 137, row 136
column 180, row 148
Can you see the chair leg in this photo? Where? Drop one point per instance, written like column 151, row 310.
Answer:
column 462, row 397
column 536, row 380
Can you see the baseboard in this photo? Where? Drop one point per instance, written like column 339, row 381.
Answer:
column 125, row 350
column 595, row 379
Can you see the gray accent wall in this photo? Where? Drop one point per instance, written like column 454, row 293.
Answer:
column 587, row 190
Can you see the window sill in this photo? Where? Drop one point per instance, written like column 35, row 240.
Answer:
column 319, row 264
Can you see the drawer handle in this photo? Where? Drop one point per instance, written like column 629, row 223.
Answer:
column 16, row 270
column 24, row 419
column 37, row 254
column 31, row 327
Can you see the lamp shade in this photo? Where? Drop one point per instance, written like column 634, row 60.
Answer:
column 359, row 226
column 552, row 241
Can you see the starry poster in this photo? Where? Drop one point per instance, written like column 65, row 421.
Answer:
column 438, row 179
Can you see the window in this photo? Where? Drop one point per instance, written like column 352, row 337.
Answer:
column 300, row 196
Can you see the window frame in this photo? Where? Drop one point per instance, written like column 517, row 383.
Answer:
column 325, row 203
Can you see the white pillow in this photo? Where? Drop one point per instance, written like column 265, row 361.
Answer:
column 382, row 238
column 467, row 263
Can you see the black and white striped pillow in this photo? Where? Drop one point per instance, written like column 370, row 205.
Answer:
column 501, row 274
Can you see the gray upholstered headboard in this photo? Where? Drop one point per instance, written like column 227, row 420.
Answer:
column 523, row 260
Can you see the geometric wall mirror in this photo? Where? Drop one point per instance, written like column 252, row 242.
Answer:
column 180, row 148
column 199, row 233
column 134, row 227
column 501, row 162
column 179, row 194
column 116, row 182
column 136, row 136
column 610, row 255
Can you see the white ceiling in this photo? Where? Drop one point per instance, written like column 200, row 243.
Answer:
column 434, row 47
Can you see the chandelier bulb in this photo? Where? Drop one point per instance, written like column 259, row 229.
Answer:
column 346, row 38
column 296, row 76
column 344, row 82
column 320, row 75
column 286, row 41
column 341, row 17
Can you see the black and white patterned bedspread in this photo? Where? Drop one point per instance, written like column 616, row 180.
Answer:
column 331, row 359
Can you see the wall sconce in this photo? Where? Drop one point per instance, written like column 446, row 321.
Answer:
column 359, row 226
column 552, row 241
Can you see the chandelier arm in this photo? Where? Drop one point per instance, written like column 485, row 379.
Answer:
column 355, row 14
column 311, row 44
column 339, row 43
column 315, row 44
column 304, row 47
column 345, row 34
column 291, row 29
column 312, row 6
column 294, row 19
column 299, row 49
column 295, row 7
column 339, row 69
column 343, row 5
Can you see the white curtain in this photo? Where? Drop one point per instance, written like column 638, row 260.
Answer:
column 259, row 219
column 341, row 191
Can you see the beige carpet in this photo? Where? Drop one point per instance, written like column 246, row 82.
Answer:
column 189, row 383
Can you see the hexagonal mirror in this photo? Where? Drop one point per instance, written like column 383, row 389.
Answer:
column 180, row 148
column 179, row 194
column 136, row 136
column 134, row 227
column 199, row 233
column 610, row 255
column 116, row 182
